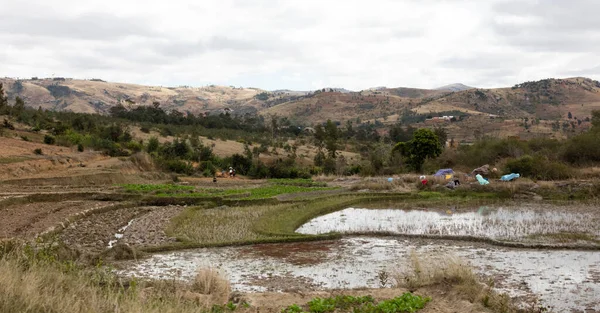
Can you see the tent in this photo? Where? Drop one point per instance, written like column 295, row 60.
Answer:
column 444, row 172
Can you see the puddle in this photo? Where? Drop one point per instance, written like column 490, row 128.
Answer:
column 119, row 234
column 506, row 224
column 565, row 280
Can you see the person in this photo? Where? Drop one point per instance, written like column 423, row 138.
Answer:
column 215, row 179
column 234, row 172
column 230, row 171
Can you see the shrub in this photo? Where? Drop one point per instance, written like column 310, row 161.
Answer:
column 490, row 150
column 80, row 148
column 582, row 149
column 153, row 144
column 49, row 140
column 539, row 167
column 25, row 138
column 177, row 166
column 38, row 151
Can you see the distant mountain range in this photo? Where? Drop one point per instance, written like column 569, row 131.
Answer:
column 545, row 99
column 455, row 87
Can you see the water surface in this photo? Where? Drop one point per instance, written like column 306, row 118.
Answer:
column 566, row 280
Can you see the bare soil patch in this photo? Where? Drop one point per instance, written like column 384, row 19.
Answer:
column 28, row 220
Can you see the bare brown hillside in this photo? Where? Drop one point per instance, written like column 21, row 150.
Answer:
column 549, row 99
column 95, row 96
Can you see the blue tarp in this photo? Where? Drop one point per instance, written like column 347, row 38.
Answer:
column 443, row 172
column 509, row 177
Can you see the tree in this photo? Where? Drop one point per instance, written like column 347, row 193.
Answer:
column 319, row 136
column 18, row 107
column 425, row 144
column 442, row 135
column 3, row 99
column 596, row 120
column 570, row 116
column 331, row 137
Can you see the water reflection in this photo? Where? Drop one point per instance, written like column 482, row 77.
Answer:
column 485, row 222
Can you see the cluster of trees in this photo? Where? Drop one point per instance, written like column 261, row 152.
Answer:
column 154, row 114
column 403, row 149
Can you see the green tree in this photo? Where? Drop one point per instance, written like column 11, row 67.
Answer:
column 331, row 137
column 425, row 144
column 3, row 100
column 442, row 135
column 319, row 136
column 153, row 144
column 596, row 120
column 19, row 106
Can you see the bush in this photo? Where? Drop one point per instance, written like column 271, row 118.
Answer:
column 38, row 151
column 49, row 140
column 539, row 168
column 582, row 149
column 25, row 138
column 490, row 150
column 80, row 148
column 177, row 166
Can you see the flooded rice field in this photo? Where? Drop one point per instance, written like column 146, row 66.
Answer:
column 565, row 280
column 485, row 222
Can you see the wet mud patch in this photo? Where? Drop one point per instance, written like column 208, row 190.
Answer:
column 149, row 229
column 286, row 282
column 93, row 233
column 297, row 253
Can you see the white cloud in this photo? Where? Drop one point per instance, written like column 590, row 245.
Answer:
column 301, row 44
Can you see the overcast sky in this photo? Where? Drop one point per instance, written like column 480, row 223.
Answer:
column 302, row 44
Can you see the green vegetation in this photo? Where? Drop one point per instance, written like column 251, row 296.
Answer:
column 304, row 182
column 425, row 144
column 406, row 303
column 263, row 192
column 403, row 150
column 155, row 187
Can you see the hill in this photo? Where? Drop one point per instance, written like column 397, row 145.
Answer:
column 97, row 96
column 455, row 87
column 549, row 99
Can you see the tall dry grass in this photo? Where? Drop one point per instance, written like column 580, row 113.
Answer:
column 34, row 283
column 455, row 274
column 210, row 282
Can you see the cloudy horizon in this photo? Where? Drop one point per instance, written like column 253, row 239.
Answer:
column 302, row 45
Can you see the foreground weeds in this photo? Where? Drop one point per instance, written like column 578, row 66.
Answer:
column 34, row 280
column 407, row 302
column 454, row 273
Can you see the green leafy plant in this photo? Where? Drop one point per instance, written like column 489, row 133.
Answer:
column 406, row 303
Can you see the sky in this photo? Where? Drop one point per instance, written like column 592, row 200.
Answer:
column 301, row 44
